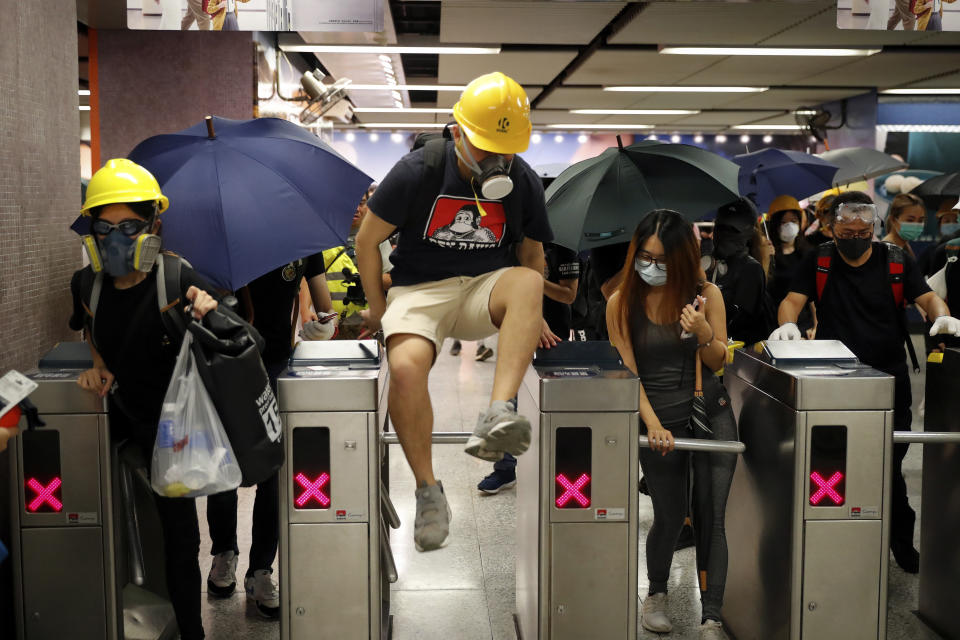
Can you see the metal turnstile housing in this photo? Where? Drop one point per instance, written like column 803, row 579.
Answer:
column 577, row 568
column 940, row 517
column 799, row 571
column 331, row 564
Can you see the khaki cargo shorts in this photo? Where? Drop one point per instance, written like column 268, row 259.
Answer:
column 457, row 307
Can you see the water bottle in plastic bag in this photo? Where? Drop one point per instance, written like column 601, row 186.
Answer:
column 192, row 456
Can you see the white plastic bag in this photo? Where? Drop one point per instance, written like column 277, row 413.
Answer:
column 192, row 456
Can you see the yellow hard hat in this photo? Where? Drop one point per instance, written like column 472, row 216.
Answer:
column 784, row 203
column 494, row 113
column 121, row 180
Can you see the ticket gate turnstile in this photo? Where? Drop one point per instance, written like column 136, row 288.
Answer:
column 83, row 564
column 807, row 517
column 940, row 514
column 335, row 560
column 577, row 507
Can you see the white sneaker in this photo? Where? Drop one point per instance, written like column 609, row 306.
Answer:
column 263, row 591
column 712, row 630
column 655, row 614
column 222, row 580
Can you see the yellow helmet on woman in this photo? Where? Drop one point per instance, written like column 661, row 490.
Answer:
column 494, row 113
column 121, row 181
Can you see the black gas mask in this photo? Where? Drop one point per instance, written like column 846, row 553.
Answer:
column 492, row 173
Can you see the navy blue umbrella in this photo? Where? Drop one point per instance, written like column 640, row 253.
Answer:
column 254, row 196
column 769, row 173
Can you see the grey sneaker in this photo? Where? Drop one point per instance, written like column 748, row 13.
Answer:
column 262, row 590
column 499, row 429
column 432, row 525
column 712, row 630
column 655, row 614
column 222, row 579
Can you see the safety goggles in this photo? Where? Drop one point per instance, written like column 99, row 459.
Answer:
column 128, row 228
column 852, row 211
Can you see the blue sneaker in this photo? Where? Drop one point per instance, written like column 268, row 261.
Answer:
column 496, row 481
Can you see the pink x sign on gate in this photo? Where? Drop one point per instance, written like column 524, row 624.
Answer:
column 572, row 490
column 44, row 495
column 312, row 489
column 826, row 488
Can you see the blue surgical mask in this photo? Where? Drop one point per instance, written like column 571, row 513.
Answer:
column 949, row 228
column 117, row 252
column 652, row 274
column 910, row 231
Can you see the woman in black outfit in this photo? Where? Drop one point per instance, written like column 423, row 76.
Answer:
column 786, row 220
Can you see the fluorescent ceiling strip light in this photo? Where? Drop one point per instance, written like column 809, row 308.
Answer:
column 359, row 48
column 400, row 110
column 637, row 112
column 770, row 127
column 84, row 107
column 924, row 128
column 398, row 125
column 581, row 127
column 406, row 87
column 766, row 51
column 83, row 92
column 919, row 92
column 684, row 89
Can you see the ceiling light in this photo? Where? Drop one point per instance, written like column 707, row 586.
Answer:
column 652, row 136
column 558, row 138
column 698, row 139
column 360, row 48
column 769, row 127
column 637, row 112
column 351, row 136
column 744, row 138
column 685, row 89
column 919, row 92
column 408, row 87
column 84, row 107
column 582, row 138
column 536, row 138
column 675, row 138
column 721, row 138
column 576, row 126
column 374, row 137
column 396, row 95
column 400, row 125
column 806, row 112
column 385, row 58
column 396, row 137
column 398, row 104
column 767, row 51
column 925, row 128
column 401, row 110
column 83, row 92
column 767, row 139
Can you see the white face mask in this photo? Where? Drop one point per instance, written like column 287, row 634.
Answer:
column 789, row 231
column 650, row 273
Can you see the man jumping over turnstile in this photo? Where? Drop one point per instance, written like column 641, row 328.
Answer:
column 860, row 288
column 467, row 209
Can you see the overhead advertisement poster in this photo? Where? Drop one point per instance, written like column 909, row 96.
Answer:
column 256, row 15
column 899, row 15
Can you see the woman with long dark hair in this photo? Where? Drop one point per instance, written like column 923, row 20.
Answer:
column 660, row 318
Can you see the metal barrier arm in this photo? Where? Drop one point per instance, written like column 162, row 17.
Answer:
column 438, row 437
column 389, row 511
column 386, row 554
column 696, row 444
column 133, row 525
column 926, row 437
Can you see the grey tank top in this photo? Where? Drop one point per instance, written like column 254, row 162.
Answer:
column 665, row 364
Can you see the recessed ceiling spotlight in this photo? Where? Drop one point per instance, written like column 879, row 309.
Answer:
column 396, row 138
column 374, row 137
column 767, row 139
column 721, row 138
column 351, row 136
column 698, row 139
column 675, row 138
column 652, row 136
column 536, row 138
column 744, row 138
column 582, row 138
column 558, row 138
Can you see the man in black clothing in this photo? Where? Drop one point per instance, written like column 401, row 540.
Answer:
column 740, row 277
column 272, row 298
column 560, row 276
column 858, row 308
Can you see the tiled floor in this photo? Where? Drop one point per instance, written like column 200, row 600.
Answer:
column 465, row 591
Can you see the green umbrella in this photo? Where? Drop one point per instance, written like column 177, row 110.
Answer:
column 599, row 201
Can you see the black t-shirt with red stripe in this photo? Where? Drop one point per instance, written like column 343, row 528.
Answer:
column 858, row 306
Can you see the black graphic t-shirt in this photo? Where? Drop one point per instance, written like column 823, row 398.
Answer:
column 463, row 234
column 561, row 264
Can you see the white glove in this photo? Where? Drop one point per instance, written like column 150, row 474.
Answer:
column 946, row 324
column 938, row 282
column 323, row 329
column 787, row 331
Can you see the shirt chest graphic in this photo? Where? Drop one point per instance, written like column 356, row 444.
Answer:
column 464, row 224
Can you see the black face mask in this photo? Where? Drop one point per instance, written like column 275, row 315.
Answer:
column 729, row 246
column 706, row 246
column 853, row 248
